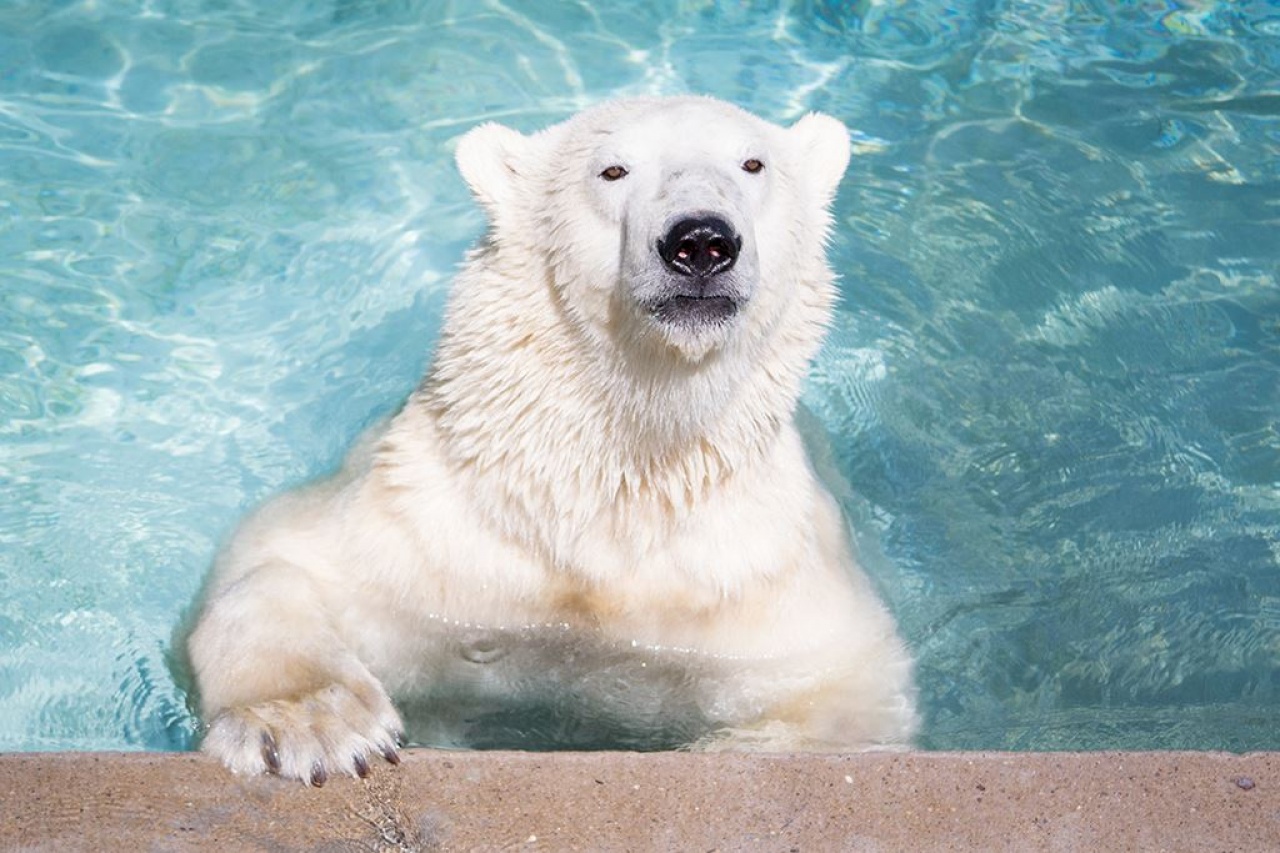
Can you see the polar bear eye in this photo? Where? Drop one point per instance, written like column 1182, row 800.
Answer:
column 752, row 166
column 614, row 173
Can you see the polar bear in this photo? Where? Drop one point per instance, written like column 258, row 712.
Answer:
column 598, row 501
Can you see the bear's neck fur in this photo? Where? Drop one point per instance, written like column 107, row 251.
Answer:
column 531, row 415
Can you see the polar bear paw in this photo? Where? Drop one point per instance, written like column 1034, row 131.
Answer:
column 331, row 731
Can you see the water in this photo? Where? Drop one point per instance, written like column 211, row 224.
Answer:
column 227, row 228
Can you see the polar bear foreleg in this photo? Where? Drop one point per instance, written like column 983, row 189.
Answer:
column 280, row 690
column 848, row 708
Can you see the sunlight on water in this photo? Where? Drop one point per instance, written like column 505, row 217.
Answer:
column 227, row 230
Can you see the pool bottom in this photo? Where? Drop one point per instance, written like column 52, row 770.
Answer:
column 657, row 801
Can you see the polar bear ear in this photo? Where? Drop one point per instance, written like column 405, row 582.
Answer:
column 823, row 146
column 488, row 157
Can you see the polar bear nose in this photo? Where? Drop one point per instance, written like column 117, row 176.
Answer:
column 700, row 247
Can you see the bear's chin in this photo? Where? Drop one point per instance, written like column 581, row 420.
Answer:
column 694, row 328
column 694, row 312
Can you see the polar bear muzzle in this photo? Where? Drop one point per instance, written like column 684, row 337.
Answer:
column 699, row 252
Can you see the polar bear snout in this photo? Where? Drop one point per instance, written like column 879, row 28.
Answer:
column 700, row 247
column 702, row 285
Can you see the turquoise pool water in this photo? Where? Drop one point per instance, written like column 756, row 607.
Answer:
column 227, row 230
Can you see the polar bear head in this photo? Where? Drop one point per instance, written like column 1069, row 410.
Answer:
column 667, row 227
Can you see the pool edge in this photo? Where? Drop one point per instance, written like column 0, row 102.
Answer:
column 627, row 801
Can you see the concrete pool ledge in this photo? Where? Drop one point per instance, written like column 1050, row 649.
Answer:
column 658, row 801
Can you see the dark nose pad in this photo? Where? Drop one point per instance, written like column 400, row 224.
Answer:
column 700, row 247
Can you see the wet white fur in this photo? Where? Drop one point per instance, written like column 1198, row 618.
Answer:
column 569, row 460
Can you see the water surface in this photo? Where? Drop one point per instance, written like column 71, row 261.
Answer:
column 227, row 229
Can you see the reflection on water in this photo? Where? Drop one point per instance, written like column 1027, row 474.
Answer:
column 226, row 231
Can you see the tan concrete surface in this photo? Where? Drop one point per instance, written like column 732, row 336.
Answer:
column 663, row 801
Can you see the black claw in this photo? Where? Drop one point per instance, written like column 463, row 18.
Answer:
column 270, row 754
column 390, row 754
column 362, row 767
column 399, row 738
column 318, row 775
